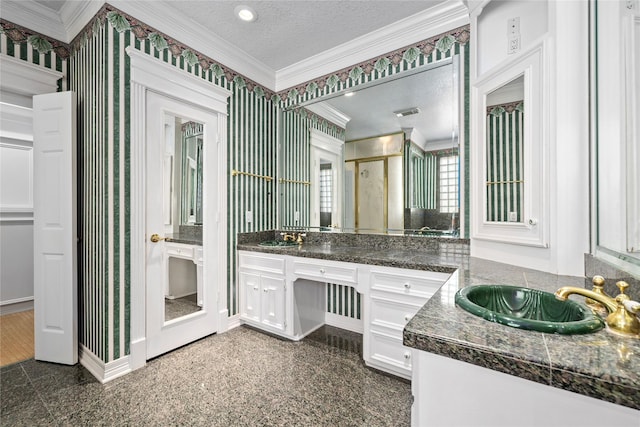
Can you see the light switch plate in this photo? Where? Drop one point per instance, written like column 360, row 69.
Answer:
column 249, row 217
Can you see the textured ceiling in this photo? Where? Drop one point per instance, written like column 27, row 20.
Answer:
column 287, row 32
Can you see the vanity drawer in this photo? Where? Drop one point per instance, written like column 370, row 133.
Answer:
column 391, row 313
column 388, row 350
column 259, row 261
column 422, row 286
column 326, row 272
column 179, row 251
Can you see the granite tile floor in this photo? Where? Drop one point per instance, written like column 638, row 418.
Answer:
column 240, row 378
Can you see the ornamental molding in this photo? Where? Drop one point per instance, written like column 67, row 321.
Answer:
column 39, row 41
column 443, row 43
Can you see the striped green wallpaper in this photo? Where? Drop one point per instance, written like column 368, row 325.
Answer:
column 343, row 301
column 504, row 181
column 99, row 74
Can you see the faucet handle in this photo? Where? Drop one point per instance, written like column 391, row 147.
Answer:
column 624, row 320
column 598, row 282
column 622, row 285
column 598, row 287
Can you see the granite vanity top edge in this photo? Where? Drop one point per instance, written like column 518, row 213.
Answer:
column 184, row 240
column 624, row 391
column 373, row 260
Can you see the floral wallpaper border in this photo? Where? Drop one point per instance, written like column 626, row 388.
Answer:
column 442, row 42
column 40, row 42
column 510, row 107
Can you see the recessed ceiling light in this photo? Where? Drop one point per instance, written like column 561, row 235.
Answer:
column 246, row 13
column 349, row 93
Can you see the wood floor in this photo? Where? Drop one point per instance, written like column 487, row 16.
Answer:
column 16, row 337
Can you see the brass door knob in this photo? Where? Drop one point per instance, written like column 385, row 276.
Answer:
column 155, row 238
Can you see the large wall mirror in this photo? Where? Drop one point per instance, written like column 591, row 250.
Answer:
column 616, row 142
column 400, row 168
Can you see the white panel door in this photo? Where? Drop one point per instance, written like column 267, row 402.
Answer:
column 272, row 301
column 164, row 332
column 55, row 231
column 250, row 296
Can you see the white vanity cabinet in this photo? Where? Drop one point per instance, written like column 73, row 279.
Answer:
column 395, row 296
column 262, row 291
column 286, row 295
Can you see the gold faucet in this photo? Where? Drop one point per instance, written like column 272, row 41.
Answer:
column 622, row 319
column 294, row 237
column 288, row 237
column 598, row 287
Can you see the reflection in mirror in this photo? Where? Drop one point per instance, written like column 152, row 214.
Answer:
column 182, row 201
column 326, row 181
column 504, row 153
column 386, row 187
column 191, row 199
column 373, row 167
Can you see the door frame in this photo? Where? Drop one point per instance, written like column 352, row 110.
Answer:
column 149, row 73
column 324, row 145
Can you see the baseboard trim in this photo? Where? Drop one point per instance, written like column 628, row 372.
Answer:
column 223, row 320
column 104, row 372
column 16, row 305
column 233, row 322
column 344, row 322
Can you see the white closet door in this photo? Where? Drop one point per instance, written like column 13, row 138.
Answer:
column 55, row 242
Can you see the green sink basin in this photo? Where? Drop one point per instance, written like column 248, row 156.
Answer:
column 528, row 309
column 277, row 243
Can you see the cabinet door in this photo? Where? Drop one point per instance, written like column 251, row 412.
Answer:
column 273, row 302
column 250, row 296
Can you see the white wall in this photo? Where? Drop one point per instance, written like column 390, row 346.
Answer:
column 16, row 203
column 565, row 25
column 492, row 28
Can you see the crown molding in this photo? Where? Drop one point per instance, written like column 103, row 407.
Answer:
column 329, row 113
column 412, row 29
column 32, row 15
column 75, row 15
column 23, row 78
column 165, row 19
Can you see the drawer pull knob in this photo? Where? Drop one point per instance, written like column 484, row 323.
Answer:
column 255, row 288
column 266, row 290
column 407, row 317
column 322, row 270
column 407, row 355
column 407, row 285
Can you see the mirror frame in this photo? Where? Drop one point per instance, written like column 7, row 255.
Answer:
column 534, row 230
column 612, row 116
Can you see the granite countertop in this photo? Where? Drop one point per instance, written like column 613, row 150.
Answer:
column 600, row 365
column 439, row 260
column 184, row 238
